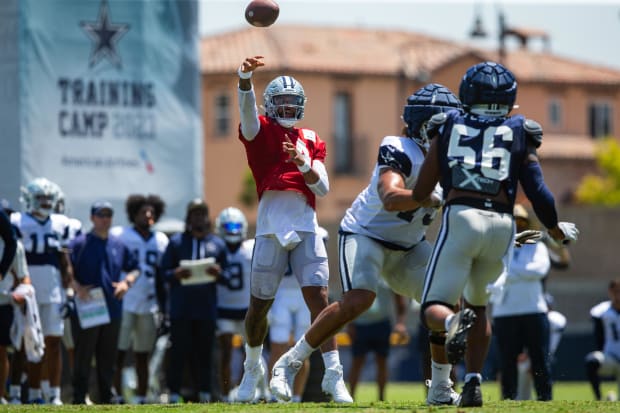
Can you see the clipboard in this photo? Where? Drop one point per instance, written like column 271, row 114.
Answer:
column 93, row 312
column 198, row 268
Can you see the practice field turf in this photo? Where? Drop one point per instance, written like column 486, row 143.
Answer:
column 569, row 397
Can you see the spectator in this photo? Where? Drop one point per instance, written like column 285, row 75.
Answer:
column 479, row 156
column 519, row 313
column 382, row 235
column 605, row 360
column 193, row 307
column 290, row 318
column 233, row 296
column 43, row 234
column 370, row 333
column 287, row 165
column 140, row 308
column 99, row 260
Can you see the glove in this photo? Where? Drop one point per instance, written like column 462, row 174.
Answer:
column 529, row 236
column 570, row 231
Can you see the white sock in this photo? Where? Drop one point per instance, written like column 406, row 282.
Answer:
column 45, row 389
column 440, row 372
column 447, row 321
column 470, row 376
column 302, row 350
column 34, row 394
column 331, row 359
column 15, row 391
column 296, row 398
column 54, row 392
column 253, row 354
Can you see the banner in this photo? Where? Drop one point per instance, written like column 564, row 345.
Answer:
column 109, row 100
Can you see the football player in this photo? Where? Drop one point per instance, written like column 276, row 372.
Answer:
column 43, row 233
column 140, row 308
column 287, row 163
column 479, row 156
column 605, row 361
column 381, row 235
column 232, row 297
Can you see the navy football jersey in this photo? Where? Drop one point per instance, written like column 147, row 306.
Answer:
column 482, row 154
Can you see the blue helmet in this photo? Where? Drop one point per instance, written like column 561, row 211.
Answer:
column 488, row 83
column 422, row 105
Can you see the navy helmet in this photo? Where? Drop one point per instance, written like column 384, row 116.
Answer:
column 488, row 83
column 422, row 105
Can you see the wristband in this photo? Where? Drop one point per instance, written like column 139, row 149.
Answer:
column 244, row 75
column 304, row 168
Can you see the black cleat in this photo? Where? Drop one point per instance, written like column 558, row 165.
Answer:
column 471, row 396
column 456, row 340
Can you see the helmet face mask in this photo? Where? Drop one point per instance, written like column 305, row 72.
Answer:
column 422, row 105
column 40, row 197
column 285, row 101
column 232, row 225
column 488, row 89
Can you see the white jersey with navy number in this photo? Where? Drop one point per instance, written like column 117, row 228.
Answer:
column 610, row 318
column 368, row 217
column 141, row 297
column 42, row 242
column 236, row 295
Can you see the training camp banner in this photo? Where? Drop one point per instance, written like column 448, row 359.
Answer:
column 110, row 99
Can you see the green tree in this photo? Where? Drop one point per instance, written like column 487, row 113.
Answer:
column 603, row 189
column 248, row 189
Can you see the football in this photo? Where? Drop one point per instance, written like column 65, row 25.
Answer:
column 262, row 13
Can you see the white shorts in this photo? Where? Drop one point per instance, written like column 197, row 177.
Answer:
column 139, row 329
column 228, row 326
column 363, row 260
column 52, row 323
column 288, row 316
column 467, row 255
column 270, row 261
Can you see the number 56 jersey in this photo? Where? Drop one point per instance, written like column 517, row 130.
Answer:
column 43, row 241
column 367, row 217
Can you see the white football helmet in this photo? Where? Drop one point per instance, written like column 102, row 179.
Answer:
column 232, row 225
column 59, row 206
column 285, row 100
column 39, row 197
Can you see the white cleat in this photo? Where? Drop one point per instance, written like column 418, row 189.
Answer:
column 333, row 384
column 283, row 376
column 441, row 394
column 55, row 401
column 252, row 374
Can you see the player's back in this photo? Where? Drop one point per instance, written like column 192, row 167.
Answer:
column 481, row 154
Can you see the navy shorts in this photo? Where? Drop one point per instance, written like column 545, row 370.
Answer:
column 6, row 319
column 373, row 337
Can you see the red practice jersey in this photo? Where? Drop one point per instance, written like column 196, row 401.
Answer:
column 269, row 163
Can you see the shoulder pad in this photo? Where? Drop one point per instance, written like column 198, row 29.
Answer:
column 534, row 131
column 435, row 122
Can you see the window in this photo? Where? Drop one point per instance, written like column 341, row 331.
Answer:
column 222, row 115
column 343, row 138
column 555, row 113
column 599, row 119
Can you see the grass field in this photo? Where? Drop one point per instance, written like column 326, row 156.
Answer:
column 569, row 397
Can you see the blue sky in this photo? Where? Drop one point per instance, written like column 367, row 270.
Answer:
column 587, row 31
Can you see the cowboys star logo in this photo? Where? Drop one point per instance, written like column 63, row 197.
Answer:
column 105, row 35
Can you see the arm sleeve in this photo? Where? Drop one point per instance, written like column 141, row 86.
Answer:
column 321, row 187
column 250, row 124
column 538, row 193
column 10, row 243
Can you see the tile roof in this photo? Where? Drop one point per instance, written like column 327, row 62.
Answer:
column 558, row 146
column 379, row 52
